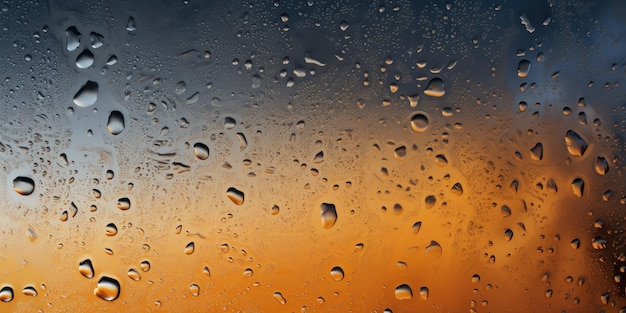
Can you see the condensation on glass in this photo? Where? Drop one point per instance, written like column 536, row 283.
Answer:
column 312, row 156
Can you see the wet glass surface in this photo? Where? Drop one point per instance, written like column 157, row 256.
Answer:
column 312, row 156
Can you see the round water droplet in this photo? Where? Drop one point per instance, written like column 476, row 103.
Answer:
column 111, row 229
column 84, row 59
column 337, row 273
column 194, row 289
column 279, row 297
column 523, row 68
column 134, row 274
column 430, row 201
column 189, row 249
column 275, row 209
column 123, row 204
column 235, row 195
column 115, row 125
column 404, row 292
column 475, row 278
column 201, row 151
column 145, row 265
column 85, row 268
column 23, row 185
column 247, row 272
column 87, row 95
column 6, row 294
column 399, row 153
column 433, row 250
column 435, row 88
column 329, row 215
column 108, row 289
column 419, row 123
column 29, row 291
column 575, row 243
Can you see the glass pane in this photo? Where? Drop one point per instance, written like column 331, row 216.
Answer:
column 312, row 156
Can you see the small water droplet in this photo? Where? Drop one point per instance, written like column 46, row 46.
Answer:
column 457, row 189
column 108, row 289
column 433, row 250
column 85, row 268
column 415, row 229
column 123, row 204
column 247, row 272
column 131, row 25
column 523, row 68
column 475, row 278
column 430, row 201
column 576, row 145
column 6, row 294
column 419, row 123
column 189, row 248
column 116, row 124
column 145, row 265
column 84, row 59
column 441, row 160
column 279, row 297
column 508, row 234
column 399, row 153
column 86, row 95
column 201, row 151
column 435, row 88
column 337, row 273
column 29, row 291
column 601, row 166
column 275, row 209
column 235, row 195
column 134, row 274
column 424, row 293
column 578, row 187
column 23, row 185
column 194, row 289
column 575, row 243
column 536, row 152
column 404, row 292
column 72, row 37
column 329, row 215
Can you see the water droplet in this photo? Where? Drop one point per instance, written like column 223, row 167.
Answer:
column 235, row 195
column 475, row 278
column 576, row 145
column 6, row 294
column 337, row 273
column 111, row 229
column 578, row 187
column 145, row 265
column 85, row 268
column 87, row 95
column 399, row 153
column 72, row 37
column 457, row 189
column 344, row 25
column 424, row 293
column 279, row 297
column 536, row 152
column 319, row 157
column 108, row 289
column 243, row 142
column 523, row 68
column 116, row 124
column 189, row 248
column 131, row 26
column 97, row 40
column 404, row 292
column 134, row 274
column 441, row 160
column 419, row 123
column 201, row 151
column 601, row 166
column 435, row 88
column 415, row 229
column 84, row 59
column 508, row 235
column 433, row 250
column 247, row 272
column 23, row 185
column 599, row 243
column 430, row 201
column 123, row 204
column 29, row 291
column 329, row 215
column 575, row 244
column 194, row 289
column 604, row 298
column 275, row 209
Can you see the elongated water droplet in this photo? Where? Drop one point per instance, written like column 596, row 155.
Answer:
column 419, row 123
column 337, row 273
column 29, row 291
column 576, row 145
column 108, row 289
column 85, row 268
column 279, row 297
column 189, row 248
column 508, row 235
column 404, row 292
column 578, row 187
column 116, row 124
column 235, row 195
column 201, row 151
column 424, row 293
column 329, row 215
column 415, row 229
column 134, row 274
column 601, row 166
column 87, row 94
column 23, row 185
column 523, row 68
column 72, row 37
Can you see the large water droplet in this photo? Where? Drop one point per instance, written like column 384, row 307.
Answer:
column 419, row 123
column 279, row 297
column 116, row 124
column 576, row 145
column 23, row 185
column 145, row 265
column 87, row 95
column 433, row 250
column 72, row 37
column 108, row 289
column 84, row 59
column 29, row 291
column 111, row 229
column 6, row 294
column 235, row 195
column 201, row 151
column 123, row 204
column 337, row 273
column 134, row 274
column 435, row 88
column 523, row 68
column 578, row 187
column 404, row 292
column 329, row 215
column 85, row 268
